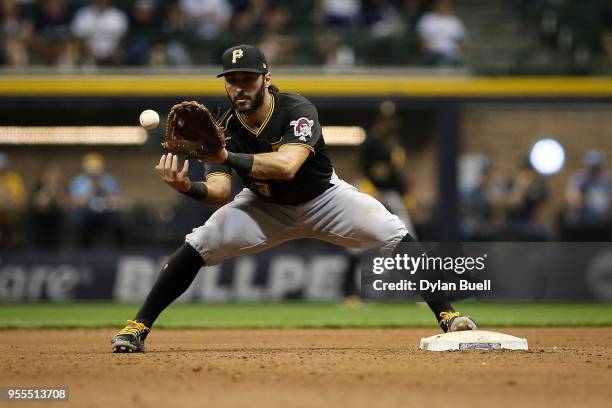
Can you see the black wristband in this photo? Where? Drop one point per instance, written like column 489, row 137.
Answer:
column 241, row 162
column 198, row 190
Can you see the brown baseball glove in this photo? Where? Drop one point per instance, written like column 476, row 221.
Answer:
column 193, row 131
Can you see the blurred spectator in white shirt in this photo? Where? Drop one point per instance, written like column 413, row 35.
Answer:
column 339, row 14
column 101, row 26
column 442, row 35
column 208, row 17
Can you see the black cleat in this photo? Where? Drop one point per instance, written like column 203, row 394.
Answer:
column 455, row 321
column 131, row 338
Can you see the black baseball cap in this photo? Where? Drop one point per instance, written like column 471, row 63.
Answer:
column 243, row 58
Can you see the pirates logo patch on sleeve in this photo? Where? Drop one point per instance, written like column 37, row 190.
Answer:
column 302, row 128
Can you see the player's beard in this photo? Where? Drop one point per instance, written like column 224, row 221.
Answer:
column 256, row 102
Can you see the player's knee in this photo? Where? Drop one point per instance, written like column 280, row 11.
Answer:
column 225, row 236
column 390, row 235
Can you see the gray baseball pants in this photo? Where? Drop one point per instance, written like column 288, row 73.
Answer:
column 341, row 215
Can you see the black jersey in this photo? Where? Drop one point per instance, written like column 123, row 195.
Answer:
column 381, row 164
column 292, row 120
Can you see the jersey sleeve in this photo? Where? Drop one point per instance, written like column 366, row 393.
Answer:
column 302, row 128
column 218, row 169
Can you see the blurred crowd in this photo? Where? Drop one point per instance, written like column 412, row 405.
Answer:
column 511, row 209
column 73, row 34
column 579, row 30
column 91, row 210
column 491, row 208
column 82, row 33
column 88, row 207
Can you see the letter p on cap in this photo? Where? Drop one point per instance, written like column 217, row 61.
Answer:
column 236, row 54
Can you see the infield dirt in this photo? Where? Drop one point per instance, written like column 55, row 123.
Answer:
column 565, row 367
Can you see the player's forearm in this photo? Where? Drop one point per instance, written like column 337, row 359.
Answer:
column 274, row 166
column 280, row 165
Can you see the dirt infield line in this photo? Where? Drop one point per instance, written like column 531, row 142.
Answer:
column 565, row 367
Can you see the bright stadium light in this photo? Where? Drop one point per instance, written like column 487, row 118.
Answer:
column 72, row 135
column 344, row 135
column 547, row 156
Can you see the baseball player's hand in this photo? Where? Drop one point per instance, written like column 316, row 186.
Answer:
column 168, row 171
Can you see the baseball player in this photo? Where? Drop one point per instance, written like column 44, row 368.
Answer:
column 275, row 144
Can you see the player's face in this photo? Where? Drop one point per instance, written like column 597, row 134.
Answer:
column 245, row 91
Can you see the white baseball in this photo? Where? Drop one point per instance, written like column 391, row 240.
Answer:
column 149, row 119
